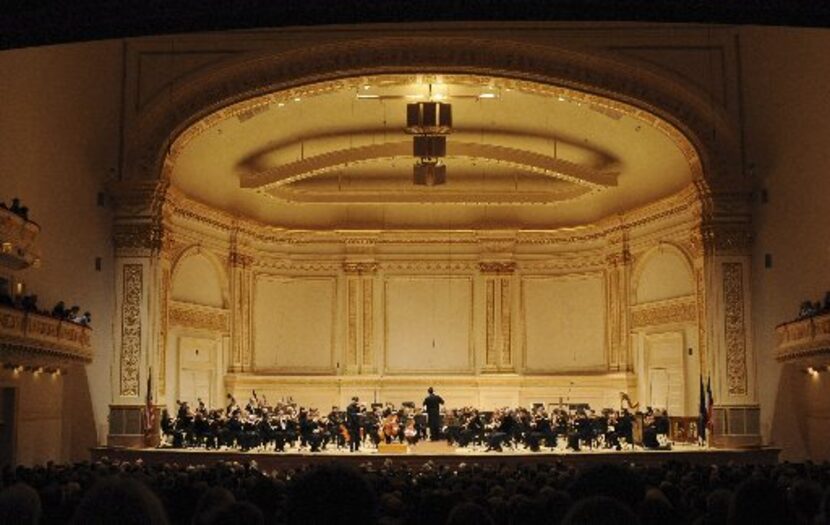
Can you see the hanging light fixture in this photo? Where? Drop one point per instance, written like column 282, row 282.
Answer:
column 430, row 123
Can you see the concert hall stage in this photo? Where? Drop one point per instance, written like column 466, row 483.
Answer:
column 446, row 456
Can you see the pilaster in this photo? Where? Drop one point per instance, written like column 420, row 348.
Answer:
column 723, row 289
column 360, row 315
column 499, row 285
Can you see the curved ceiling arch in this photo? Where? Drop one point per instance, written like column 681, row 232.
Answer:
column 236, row 89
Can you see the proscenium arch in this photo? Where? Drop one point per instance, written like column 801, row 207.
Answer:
column 711, row 139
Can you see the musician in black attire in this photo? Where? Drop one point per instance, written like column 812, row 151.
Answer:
column 432, row 405
column 353, row 424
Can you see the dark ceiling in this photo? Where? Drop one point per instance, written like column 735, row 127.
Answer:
column 39, row 22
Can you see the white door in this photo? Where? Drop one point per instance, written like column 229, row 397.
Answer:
column 658, row 380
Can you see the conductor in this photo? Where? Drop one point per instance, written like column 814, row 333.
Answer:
column 432, row 405
column 353, row 412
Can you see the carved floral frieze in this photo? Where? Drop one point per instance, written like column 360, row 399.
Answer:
column 734, row 328
column 199, row 317
column 133, row 290
column 682, row 310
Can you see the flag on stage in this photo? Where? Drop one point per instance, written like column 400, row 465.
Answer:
column 149, row 413
column 709, row 404
column 702, row 419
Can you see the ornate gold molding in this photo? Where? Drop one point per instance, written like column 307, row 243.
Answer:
column 683, row 310
column 727, row 239
column 133, row 290
column 186, row 210
column 803, row 338
column 427, row 266
column 734, row 328
column 199, row 317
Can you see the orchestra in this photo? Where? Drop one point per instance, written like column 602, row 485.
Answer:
column 261, row 426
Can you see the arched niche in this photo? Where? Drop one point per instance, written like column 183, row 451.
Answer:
column 198, row 278
column 663, row 273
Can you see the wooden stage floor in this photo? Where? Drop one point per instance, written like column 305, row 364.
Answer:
column 443, row 455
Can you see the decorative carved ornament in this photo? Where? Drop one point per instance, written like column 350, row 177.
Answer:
column 43, row 336
column 137, row 237
column 682, row 310
column 164, row 294
column 734, row 328
column 803, row 338
column 131, row 328
column 726, row 239
column 240, row 260
column 199, row 317
column 497, row 267
column 428, row 266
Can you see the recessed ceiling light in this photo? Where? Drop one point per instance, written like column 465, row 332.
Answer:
column 487, row 95
column 281, row 104
column 296, row 99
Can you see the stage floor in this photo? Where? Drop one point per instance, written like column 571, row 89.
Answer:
column 445, row 455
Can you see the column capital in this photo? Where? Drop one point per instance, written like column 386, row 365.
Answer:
column 497, row 267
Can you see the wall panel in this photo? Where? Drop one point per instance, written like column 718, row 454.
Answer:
column 429, row 324
column 293, row 324
column 564, row 323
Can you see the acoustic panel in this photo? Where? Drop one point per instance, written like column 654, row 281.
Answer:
column 294, row 321
column 429, row 324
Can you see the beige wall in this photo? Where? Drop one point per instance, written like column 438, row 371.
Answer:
column 59, row 123
column 787, row 125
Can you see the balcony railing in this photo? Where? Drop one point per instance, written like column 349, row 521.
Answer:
column 36, row 334
column 803, row 338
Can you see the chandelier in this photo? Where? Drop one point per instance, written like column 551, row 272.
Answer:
column 430, row 123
